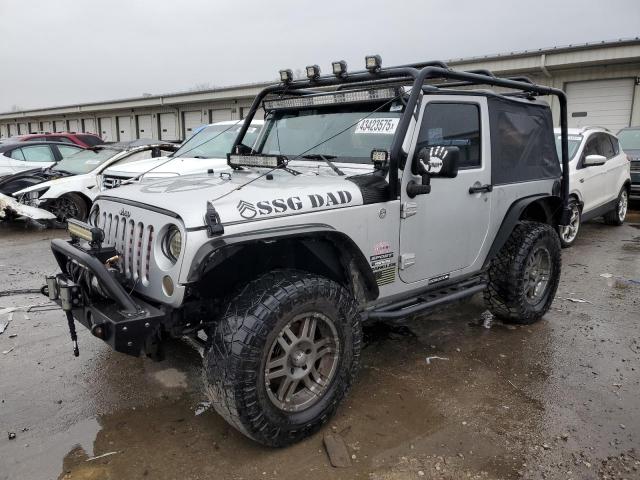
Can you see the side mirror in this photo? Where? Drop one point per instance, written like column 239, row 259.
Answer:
column 594, row 160
column 433, row 162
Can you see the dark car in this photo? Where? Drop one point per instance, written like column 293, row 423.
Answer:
column 22, row 156
column 630, row 142
column 82, row 139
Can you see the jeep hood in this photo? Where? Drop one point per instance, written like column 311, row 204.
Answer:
column 237, row 201
column 168, row 167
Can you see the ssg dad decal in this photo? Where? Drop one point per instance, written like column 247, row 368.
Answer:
column 312, row 201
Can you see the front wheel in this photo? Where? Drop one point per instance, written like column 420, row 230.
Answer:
column 524, row 276
column 68, row 206
column 283, row 356
column 618, row 214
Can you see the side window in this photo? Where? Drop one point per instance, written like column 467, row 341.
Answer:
column 453, row 124
column 17, row 154
column 67, row 150
column 592, row 147
column 605, row 146
column 615, row 144
column 40, row 153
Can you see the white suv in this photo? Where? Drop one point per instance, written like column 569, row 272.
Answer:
column 599, row 180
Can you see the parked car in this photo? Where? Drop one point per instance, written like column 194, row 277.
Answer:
column 599, row 179
column 19, row 157
column 82, row 139
column 206, row 149
column 70, row 194
column 630, row 142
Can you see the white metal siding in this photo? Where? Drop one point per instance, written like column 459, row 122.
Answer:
column 191, row 121
column 74, row 125
column 106, row 129
column 46, row 126
column 59, row 126
column 89, row 125
column 168, row 126
column 219, row 115
column 602, row 103
column 124, row 129
column 144, row 126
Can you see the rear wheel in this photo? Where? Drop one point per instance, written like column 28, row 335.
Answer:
column 524, row 277
column 569, row 233
column 283, row 356
column 618, row 214
column 70, row 205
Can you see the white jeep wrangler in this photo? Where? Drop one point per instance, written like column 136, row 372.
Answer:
column 370, row 195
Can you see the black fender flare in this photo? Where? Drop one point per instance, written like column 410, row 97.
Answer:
column 216, row 250
column 551, row 204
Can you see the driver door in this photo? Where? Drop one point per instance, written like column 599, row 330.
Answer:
column 443, row 232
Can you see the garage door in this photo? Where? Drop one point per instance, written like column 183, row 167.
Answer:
column 34, row 127
column 191, row 121
column 144, row 126
column 168, row 127
column 602, row 103
column 22, row 128
column 4, row 132
column 60, row 126
column 74, row 126
column 220, row 115
column 106, row 129
column 46, row 127
column 13, row 129
column 124, row 129
column 89, row 125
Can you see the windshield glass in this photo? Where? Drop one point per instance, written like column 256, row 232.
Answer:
column 85, row 161
column 574, row 143
column 293, row 133
column 215, row 141
column 629, row 139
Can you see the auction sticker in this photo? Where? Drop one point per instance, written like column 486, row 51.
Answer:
column 378, row 125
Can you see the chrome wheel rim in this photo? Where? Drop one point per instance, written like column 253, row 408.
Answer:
column 302, row 362
column 622, row 206
column 570, row 232
column 537, row 274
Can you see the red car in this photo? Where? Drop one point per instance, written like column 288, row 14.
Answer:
column 83, row 139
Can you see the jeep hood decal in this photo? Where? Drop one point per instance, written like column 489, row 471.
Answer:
column 236, row 201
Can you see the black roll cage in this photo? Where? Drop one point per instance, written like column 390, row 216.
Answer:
column 419, row 73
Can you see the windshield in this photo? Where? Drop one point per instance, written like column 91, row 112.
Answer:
column 574, row 143
column 85, row 161
column 211, row 142
column 629, row 139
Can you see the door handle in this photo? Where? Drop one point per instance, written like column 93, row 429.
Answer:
column 480, row 188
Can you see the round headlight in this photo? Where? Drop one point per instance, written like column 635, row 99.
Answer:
column 173, row 243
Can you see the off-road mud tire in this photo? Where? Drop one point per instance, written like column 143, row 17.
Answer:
column 239, row 344
column 505, row 294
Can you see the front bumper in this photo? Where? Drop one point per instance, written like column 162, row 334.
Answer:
column 635, row 184
column 127, row 323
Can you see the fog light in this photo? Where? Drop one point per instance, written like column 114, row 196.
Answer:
column 313, row 72
column 167, row 285
column 373, row 62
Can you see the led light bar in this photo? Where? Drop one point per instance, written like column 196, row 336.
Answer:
column 286, row 76
column 334, row 98
column 84, row 231
column 339, row 68
column 373, row 62
column 313, row 72
column 265, row 161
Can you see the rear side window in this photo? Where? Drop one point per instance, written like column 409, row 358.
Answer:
column 615, row 144
column 453, row 125
column 90, row 140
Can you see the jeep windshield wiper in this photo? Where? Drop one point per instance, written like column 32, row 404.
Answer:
column 327, row 160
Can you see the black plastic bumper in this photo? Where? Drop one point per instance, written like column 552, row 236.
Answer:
column 127, row 323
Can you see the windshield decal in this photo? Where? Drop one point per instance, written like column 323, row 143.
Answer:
column 378, row 126
column 312, row 201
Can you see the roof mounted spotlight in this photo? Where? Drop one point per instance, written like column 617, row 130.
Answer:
column 339, row 68
column 373, row 63
column 313, row 72
column 286, row 76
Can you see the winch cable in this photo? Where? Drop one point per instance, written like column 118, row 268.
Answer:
column 300, row 155
column 137, row 177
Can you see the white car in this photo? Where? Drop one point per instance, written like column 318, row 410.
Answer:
column 71, row 193
column 205, row 150
column 599, row 179
column 16, row 157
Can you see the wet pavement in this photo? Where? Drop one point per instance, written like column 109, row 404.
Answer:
column 558, row 399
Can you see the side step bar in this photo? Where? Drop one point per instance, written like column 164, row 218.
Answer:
column 426, row 301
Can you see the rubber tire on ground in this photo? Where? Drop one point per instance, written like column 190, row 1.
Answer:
column 564, row 243
column 612, row 217
column 239, row 344
column 505, row 293
column 81, row 205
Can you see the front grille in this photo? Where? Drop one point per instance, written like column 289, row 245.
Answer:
column 133, row 240
column 112, row 181
column 635, row 166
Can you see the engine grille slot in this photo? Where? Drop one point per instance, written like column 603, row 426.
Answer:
column 133, row 240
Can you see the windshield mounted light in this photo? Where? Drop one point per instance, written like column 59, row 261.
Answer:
column 313, row 72
column 379, row 156
column 83, row 231
column 261, row 161
column 286, row 76
column 334, row 98
column 373, row 63
column 339, row 68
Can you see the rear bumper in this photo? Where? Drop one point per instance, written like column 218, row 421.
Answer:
column 127, row 323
